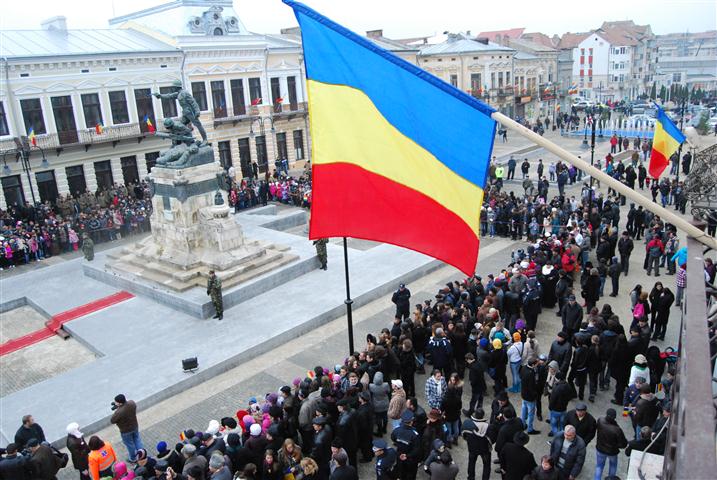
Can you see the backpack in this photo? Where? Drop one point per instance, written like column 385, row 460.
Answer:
column 639, row 310
column 655, row 251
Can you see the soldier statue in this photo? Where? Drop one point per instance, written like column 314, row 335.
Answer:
column 190, row 107
column 321, row 252
column 88, row 247
column 178, row 132
column 214, row 290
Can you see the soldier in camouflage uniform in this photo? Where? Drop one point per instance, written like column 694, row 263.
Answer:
column 214, row 290
column 88, row 248
column 321, row 251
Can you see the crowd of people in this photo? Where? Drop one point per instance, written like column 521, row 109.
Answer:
column 33, row 233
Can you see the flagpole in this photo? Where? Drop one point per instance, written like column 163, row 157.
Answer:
column 348, row 300
column 601, row 176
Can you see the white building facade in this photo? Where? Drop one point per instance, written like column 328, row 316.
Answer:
column 88, row 106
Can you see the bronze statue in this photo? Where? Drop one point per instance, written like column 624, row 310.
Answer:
column 190, row 107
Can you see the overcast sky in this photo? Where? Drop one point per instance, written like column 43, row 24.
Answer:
column 403, row 18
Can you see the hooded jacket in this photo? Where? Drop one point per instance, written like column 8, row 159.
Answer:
column 379, row 393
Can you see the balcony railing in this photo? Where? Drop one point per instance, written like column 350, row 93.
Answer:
column 86, row 137
column 289, row 110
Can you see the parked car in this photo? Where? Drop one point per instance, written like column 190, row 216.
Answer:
column 582, row 104
column 642, row 120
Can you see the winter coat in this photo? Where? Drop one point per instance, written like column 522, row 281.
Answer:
column 610, row 437
column 574, row 458
column 397, row 404
column 646, row 410
column 560, row 396
column 528, row 384
column 125, row 417
column 561, row 353
column 78, row 450
column 585, row 428
column 380, row 392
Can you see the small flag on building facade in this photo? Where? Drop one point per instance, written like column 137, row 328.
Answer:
column 31, row 136
column 150, row 126
column 279, row 101
column 256, row 102
column 99, row 129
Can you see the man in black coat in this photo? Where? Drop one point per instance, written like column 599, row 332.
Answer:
column 610, row 439
column 402, row 299
column 29, row 429
column 560, row 396
column 346, row 429
column 14, row 466
column 529, row 394
column 584, row 423
column 572, row 316
column 321, row 451
column 476, row 377
column 561, row 351
column 516, row 460
column 364, row 421
column 510, row 427
column 625, row 246
column 43, row 463
column 343, row 471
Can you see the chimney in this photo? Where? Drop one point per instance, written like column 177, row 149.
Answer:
column 374, row 33
column 468, row 33
column 55, row 24
column 483, row 40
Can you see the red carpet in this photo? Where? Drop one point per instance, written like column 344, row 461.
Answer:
column 56, row 322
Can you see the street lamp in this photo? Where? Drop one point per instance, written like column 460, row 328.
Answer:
column 23, row 151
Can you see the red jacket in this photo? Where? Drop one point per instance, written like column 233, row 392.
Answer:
column 656, row 242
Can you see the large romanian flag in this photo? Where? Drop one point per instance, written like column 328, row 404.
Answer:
column 665, row 142
column 399, row 156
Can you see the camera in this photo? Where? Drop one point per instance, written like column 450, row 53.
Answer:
column 113, row 406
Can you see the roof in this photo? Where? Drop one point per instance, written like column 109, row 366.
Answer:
column 511, row 33
column 572, row 40
column 48, row 43
column 541, row 39
column 391, row 45
column 459, row 43
column 530, row 47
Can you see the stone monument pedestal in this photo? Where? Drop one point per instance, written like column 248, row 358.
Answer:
column 192, row 233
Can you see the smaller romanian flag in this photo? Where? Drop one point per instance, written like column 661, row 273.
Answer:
column 150, row 126
column 256, row 102
column 279, row 101
column 99, row 129
column 573, row 89
column 666, row 140
column 31, row 136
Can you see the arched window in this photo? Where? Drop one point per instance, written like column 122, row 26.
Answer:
column 218, row 31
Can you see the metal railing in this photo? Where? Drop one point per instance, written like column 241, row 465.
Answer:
column 82, row 137
column 690, row 451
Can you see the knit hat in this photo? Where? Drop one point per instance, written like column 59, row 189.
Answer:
column 520, row 324
column 611, row 413
column 497, row 344
column 483, row 342
column 500, row 336
column 255, row 430
column 554, row 365
column 161, row 447
column 640, row 359
column 189, row 449
column 213, row 427
column 517, row 337
column 397, row 383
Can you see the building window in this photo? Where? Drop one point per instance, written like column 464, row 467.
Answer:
column 47, row 186
column 582, row 52
column 454, row 80
column 507, row 79
column 276, row 94
column 118, row 106
column 225, row 154
column 92, row 110
column 103, row 174
column 64, row 119
column 261, row 156
column 291, row 87
column 76, row 180
column 237, row 86
column 12, row 189
column 130, row 173
column 281, row 150
column 492, row 80
column 255, row 90
column 219, row 101
column 299, row 144
column 476, row 82
column 169, row 105
column 3, row 121
column 151, row 160
column 622, row 50
column 32, row 115
column 245, row 157
column 145, row 109
column 199, row 92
